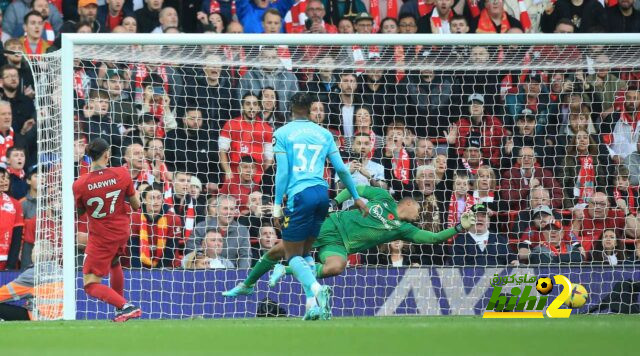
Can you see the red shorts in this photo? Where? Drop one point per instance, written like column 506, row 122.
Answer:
column 99, row 255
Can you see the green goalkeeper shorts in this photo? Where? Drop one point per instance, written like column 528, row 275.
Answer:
column 329, row 242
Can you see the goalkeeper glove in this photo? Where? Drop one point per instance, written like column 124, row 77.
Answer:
column 333, row 205
column 467, row 220
column 277, row 211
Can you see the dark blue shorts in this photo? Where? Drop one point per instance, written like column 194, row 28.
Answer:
column 310, row 208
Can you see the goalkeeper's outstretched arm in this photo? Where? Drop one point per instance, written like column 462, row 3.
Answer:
column 427, row 237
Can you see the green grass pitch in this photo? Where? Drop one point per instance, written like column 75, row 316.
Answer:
column 580, row 335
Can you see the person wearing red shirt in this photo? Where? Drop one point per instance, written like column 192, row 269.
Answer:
column 488, row 128
column 101, row 194
column 590, row 222
column 156, row 232
column 246, row 135
column 241, row 184
column 11, row 225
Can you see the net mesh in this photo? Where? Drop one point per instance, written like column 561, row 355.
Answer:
column 543, row 136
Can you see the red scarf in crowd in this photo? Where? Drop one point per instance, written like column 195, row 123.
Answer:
column 6, row 142
column 152, row 246
column 524, row 16
column 374, row 6
column 144, row 176
column 295, row 18
column 453, row 218
column 488, row 199
column 78, row 83
column 214, row 7
column 16, row 172
column 586, row 180
column 467, row 166
column 401, row 166
column 358, row 56
column 473, row 8
column 84, row 166
column 486, row 25
column 554, row 249
column 165, row 175
column 236, row 71
column 27, row 47
column 630, row 120
column 630, row 199
column 424, row 8
column 49, row 34
column 189, row 219
column 57, row 4
column 437, row 25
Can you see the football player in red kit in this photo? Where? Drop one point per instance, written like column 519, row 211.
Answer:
column 101, row 194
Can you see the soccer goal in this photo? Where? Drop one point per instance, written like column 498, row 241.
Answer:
column 537, row 129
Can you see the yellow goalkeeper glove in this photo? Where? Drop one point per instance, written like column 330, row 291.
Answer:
column 467, row 220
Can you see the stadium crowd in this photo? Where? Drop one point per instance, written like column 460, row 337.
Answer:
column 552, row 156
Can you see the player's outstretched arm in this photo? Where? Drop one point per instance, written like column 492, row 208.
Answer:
column 134, row 200
column 427, row 237
column 365, row 191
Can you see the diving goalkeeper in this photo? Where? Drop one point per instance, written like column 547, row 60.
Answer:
column 347, row 232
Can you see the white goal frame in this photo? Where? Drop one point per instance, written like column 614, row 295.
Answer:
column 70, row 41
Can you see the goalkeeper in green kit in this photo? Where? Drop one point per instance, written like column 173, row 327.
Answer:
column 347, row 232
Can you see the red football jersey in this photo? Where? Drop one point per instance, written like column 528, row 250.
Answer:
column 10, row 217
column 247, row 138
column 101, row 194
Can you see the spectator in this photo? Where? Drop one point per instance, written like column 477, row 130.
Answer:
column 407, row 24
column 130, row 24
column 438, row 19
column 604, row 84
column 424, row 152
column 392, row 254
column 270, row 74
column 471, row 159
column 156, row 232
column 622, row 18
column 95, row 117
column 17, row 176
column 13, row 19
column 525, row 175
column 241, row 184
column 189, row 148
column 589, row 222
column 431, row 216
column 82, row 162
column 250, row 12
column 584, row 14
column 416, row 7
column 155, row 161
column 316, row 13
column 480, row 128
column 272, row 21
column 167, row 18
column 623, row 190
column 135, row 162
column 87, row 13
column 236, row 237
column 531, row 236
column 143, row 132
column 182, row 198
column 524, row 135
column 397, row 161
column 363, row 124
column 246, row 135
column 363, row 23
column 581, row 170
column 608, row 251
column 317, row 113
column 269, row 103
column 29, row 210
column 626, row 134
column 11, row 225
column 484, row 190
column 345, row 26
column 378, row 94
column 112, row 14
column 22, row 109
column 155, row 96
column 388, row 25
column 428, row 99
column 555, row 248
column 211, row 17
column 460, row 25
column 363, row 170
column 494, row 19
column 538, row 197
column 531, row 95
column 323, row 81
column 122, row 109
column 460, row 201
column 481, row 247
column 6, row 131
column 49, row 32
column 266, row 240
column 211, row 90
column 13, row 55
column 148, row 17
column 259, row 213
column 211, row 252
column 342, row 105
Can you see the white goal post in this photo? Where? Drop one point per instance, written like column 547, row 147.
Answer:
column 71, row 43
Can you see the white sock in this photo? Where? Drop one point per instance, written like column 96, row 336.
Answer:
column 311, row 302
column 315, row 288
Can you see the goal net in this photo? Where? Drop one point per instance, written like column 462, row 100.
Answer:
column 539, row 139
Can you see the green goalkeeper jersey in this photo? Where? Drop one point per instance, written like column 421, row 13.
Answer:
column 381, row 225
